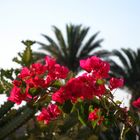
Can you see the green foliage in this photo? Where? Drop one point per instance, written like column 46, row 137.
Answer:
column 69, row 122
column 16, row 122
column 11, row 119
column 6, row 77
column 128, row 68
column 25, row 58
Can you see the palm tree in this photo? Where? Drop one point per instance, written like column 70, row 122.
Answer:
column 68, row 52
column 129, row 69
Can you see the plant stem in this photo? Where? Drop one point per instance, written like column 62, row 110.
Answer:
column 124, row 121
column 122, row 135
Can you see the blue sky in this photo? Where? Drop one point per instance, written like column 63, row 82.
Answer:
column 117, row 20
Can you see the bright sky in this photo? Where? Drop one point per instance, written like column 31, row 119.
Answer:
column 118, row 21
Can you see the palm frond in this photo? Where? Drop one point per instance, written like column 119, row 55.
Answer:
column 61, row 41
column 68, row 52
column 102, row 53
column 122, row 58
column 39, row 56
column 130, row 68
column 90, row 48
column 117, row 70
column 131, row 56
column 48, row 48
column 81, row 36
column 89, row 42
column 53, row 43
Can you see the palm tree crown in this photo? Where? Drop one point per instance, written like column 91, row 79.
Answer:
column 129, row 69
column 68, row 52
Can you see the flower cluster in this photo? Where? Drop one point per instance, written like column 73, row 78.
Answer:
column 90, row 84
column 84, row 87
column 95, row 116
column 35, row 78
column 33, row 82
column 95, row 65
column 49, row 113
column 115, row 83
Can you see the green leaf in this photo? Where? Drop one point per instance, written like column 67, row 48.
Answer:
column 34, row 91
column 57, row 83
column 94, row 123
column 7, row 73
column 118, row 102
column 28, row 43
column 90, row 108
column 80, row 117
column 100, row 81
column 15, row 59
column 27, row 56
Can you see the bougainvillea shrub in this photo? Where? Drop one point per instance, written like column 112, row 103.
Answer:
column 50, row 88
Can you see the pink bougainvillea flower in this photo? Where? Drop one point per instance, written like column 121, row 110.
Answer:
column 84, row 86
column 116, row 83
column 59, row 96
column 48, row 80
column 99, row 90
column 17, row 83
column 49, row 113
column 55, row 71
column 60, row 71
column 136, row 103
column 95, row 65
column 16, row 96
column 35, row 82
column 54, row 111
column 50, row 62
column 90, row 64
column 100, row 120
column 93, row 115
column 86, row 64
column 102, row 70
column 37, row 69
column 25, row 72
column 73, row 90
column 39, row 82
